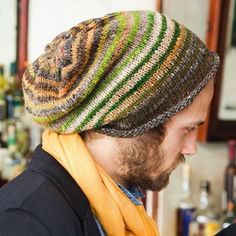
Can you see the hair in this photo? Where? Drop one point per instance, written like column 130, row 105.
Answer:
column 156, row 133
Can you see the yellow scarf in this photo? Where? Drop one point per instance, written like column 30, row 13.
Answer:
column 117, row 214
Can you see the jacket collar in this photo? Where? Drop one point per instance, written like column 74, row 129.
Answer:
column 45, row 164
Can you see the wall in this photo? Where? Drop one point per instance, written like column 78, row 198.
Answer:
column 49, row 18
column 228, row 96
column 192, row 14
column 8, row 33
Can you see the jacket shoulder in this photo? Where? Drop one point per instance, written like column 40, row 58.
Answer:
column 48, row 192
column 36, row 197
column 21, row 223
column 229, row 231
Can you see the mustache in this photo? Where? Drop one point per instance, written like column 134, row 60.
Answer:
column 182, row 158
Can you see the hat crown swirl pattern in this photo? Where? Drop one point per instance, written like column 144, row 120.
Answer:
column 121, row 74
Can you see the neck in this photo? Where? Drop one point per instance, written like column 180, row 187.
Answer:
column 105, row 152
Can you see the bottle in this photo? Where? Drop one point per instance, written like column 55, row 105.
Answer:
column 14, row 164
column 2, row 99
column 186, row 207
column 10, row 91
column 18, row 104
column 223, row 204
column 13, row 76
column 16, row 111
column 3, row 150
column 11, row 138
column 3, row 143
column 2, row 79
column 206, row 221
column 2, row 106
column 230, row 172
column 230, row 216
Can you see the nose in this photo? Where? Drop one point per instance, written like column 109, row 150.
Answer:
column 190, row 144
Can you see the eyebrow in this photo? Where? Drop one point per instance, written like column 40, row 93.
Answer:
column 197, row 123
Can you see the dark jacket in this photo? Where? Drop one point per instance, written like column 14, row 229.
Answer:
column 229, row 231
column 45, row 200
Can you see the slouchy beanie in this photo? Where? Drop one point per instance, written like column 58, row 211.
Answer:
column 121, row 74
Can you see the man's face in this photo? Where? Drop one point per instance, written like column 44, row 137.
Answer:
column 145, row 162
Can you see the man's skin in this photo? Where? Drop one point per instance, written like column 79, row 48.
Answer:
column 158, row 161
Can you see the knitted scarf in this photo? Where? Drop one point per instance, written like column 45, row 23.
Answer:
column 114, row 210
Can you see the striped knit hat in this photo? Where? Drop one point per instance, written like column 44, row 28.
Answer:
column 121, row 74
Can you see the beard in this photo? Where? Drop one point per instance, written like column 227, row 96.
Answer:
column 160, row 181
column 142, row 162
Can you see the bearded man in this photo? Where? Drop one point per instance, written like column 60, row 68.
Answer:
column 120, row 98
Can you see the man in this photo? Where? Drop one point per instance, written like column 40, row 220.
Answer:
column 120, row 98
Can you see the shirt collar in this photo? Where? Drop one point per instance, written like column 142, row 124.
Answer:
column 134, row 193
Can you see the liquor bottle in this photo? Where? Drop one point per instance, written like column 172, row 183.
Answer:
column 2, row 106
column 186, row 207
column 3, row 143
column 14, row 164
column 18, row 104
column 2, row 99
column 206, row 221
column 11, row 138
column 3, row 151
column 230, row 172
column 2, row 79
column 16, row 112
column 13, row 76
column 230, row 216
column 9, row 92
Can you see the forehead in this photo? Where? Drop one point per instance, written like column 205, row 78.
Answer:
column 196, row 112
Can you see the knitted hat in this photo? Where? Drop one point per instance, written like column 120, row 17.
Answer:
column 121, row 74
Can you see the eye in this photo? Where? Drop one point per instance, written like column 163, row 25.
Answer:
column 191, row 129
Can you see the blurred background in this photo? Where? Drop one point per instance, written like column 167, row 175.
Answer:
column 201, row 193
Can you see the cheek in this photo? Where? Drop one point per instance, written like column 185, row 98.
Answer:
column 173, row 144
column 172, row 150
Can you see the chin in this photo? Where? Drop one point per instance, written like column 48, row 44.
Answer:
column 158, row 184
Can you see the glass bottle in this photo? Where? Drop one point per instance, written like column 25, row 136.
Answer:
column 10, row 91
column 4, row 153
column 2, row 79
column 186, row 207
column 2, row 106
column 230, row 172
column 2, row 97
column 230, row 216
column 14, row 164
column 206, row 220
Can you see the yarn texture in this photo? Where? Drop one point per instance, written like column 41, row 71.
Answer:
column 121, row 74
